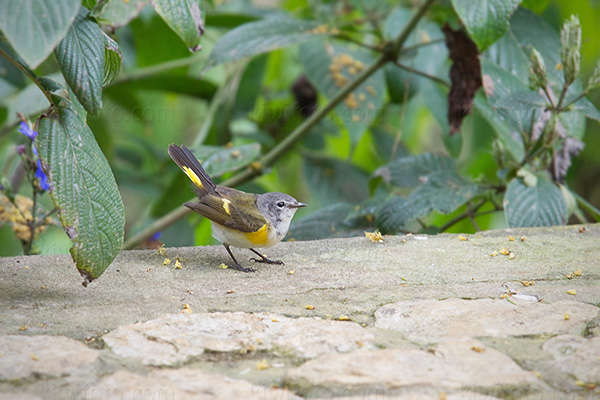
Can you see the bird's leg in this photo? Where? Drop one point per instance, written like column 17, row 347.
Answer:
column 264, row 259
column 236, row 265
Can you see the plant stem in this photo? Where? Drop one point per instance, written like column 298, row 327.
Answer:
column 467, row 214
column 587, row 205
column 256, row 168
column 28, row 72
column 408, row 28
column 31, row 223
column 421, row 73
column 561, row 98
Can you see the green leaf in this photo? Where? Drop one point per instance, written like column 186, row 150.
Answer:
column 445, row 191
column 185, row 17
column 330, row 66
column 83, row 190
column 521, row 100
column 113, row 57
column 262, row 36
column 485, row 20
column 81, row 58
column 231, row 159
column 117, row 13
column 587, row 108
column 34, row 27
column 323, row 223
column 411, row 171
column 540, row 205
column 332, row 180
column 397, row 211
column 509, row 138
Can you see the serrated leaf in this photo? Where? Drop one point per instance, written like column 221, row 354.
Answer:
column 34, row 27
column 117, row 13
column 411, row 171
column 262, row 36
column 83, row 190
column 330, row 67
column 509, row 138
column 520, row 100
column 540, row 205
column 587, row 108
column 80, row 56
column 445, row 191
column 486, row 20
column 323, row 223
column 113, row 57
column 397, row 211
column 184, row 17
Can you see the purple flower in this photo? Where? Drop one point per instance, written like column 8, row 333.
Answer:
column 26, row 130
column 39, row 173
column 156, row 236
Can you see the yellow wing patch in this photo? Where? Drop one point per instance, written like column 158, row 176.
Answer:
column 226, row 204
column 261, row 236
column 192, row 175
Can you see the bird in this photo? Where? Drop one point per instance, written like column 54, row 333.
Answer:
column 239, row 219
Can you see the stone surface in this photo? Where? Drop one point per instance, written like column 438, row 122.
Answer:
column 19, row 396
column 453, row 365
column 441, row 395
column 177, row 338
column 353, row 277
column 47, row 356
column 574, row 362
column 181, row 384
column 430, row 321
column 42, row 295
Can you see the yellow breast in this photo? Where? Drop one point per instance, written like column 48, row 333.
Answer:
column 260, row 237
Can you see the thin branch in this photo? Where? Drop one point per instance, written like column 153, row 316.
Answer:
column 576, row 99
column 28, row 72
column 348, row 38
column 256, row 168
column 423, row 74
column 562, row 97
column 422, row 44
column 545, row 89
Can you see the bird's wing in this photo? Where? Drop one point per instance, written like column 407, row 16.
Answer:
column 231, row 208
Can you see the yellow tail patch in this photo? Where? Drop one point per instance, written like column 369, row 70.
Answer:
column 261, row 236
column 193, row 177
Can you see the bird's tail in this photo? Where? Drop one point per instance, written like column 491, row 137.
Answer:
column 192, row 168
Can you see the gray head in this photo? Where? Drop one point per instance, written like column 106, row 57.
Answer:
column 278, row 208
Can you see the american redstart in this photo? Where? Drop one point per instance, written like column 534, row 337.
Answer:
column 239, row 219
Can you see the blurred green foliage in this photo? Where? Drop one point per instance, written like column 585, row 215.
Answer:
column 383, row 159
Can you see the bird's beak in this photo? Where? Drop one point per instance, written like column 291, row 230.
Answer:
column 297, row 205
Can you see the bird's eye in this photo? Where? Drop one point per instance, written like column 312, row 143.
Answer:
column 280, row 204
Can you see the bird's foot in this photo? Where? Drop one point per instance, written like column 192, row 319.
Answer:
column 265, row 260
column 240, row 268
